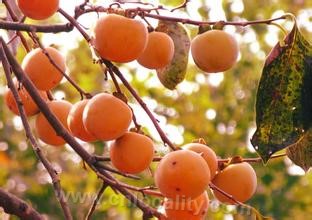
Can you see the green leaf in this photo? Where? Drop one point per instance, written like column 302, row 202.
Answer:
column 174, row 73
column 284, row 97
column 301, row 152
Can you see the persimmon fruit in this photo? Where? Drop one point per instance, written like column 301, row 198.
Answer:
column 182, row 173
column 238, row 180
column 207, row 153
column 187, row 209
column 132, row 153
column 75, row 123
column 38, row 9
column 158, row 52
column 41, row 71
column 106, row 117
column 45, row 131
column 119, row 39
column 214, row 51
column 29, row 105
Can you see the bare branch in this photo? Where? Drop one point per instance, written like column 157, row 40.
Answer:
column 214, row 187
column 70, row 80
column 96, row 200
column 74, row 23
column 46, row 163
column 15, row 206
column 36, row 28
column 110, row 169
column 15, row 18
column 141, row 102
column 146, row 12
column 104, row 158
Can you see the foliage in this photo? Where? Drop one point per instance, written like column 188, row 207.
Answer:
column 284, row 96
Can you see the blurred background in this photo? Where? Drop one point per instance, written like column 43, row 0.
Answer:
column 217, row 107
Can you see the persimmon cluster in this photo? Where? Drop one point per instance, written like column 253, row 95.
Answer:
column 183, row 176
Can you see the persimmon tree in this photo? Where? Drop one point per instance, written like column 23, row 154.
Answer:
column 183, row 177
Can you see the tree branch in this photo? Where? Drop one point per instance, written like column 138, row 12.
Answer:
column 15, row 206
column 61, row 131
column 46, row 163
column 15, row 18
column 96, row 200
column 67, row 77
column 36, row 28
column 141, row 102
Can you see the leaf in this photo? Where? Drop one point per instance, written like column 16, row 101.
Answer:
column 284, row 96
column 301, row 152
column 174, row 73
column 251, row 211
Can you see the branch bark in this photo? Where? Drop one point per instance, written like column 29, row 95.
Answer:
column 46, row 163
column 15, row 206
column 36, row 28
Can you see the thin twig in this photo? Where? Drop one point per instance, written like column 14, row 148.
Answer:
column 146, row 12
column 112, row 75
column 161, row 133
column 68, row 78
column 96, row 200
column 145, row 190
column 107, row 159
column 223, row 23
column 75, row 23
column 15, row 18
column 36, row 28
column 215, row 188
column 112, row 170
column 252, row 160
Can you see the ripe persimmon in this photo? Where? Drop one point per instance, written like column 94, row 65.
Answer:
column 75, row 124
column 29, row 105
column 119, row 39
column 187, row 209
column 132, row 152
column 214, row 51
column 158, row 52
column 44, row 130
column 106, row 117
column 38, row 9
column 207, row 153
column 238, row 180
column 182, row 173
column 41, row 71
